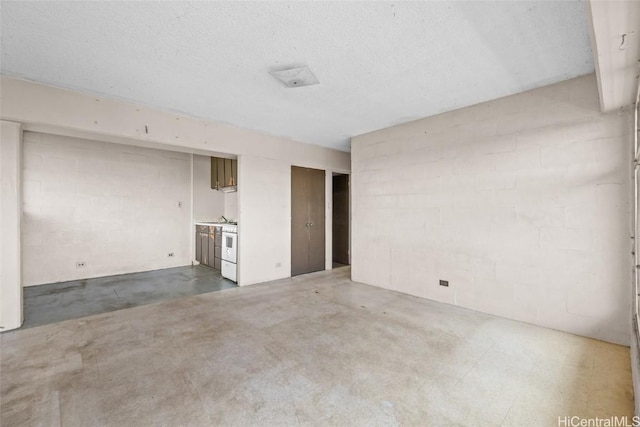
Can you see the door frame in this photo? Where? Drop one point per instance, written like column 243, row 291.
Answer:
column 329, row 215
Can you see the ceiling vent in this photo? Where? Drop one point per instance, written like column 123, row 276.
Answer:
column 295, row 77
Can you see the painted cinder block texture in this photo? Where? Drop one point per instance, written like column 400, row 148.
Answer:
column 521, row 203
column 114, row 207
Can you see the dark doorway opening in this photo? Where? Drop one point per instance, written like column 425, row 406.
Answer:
column 341, row 215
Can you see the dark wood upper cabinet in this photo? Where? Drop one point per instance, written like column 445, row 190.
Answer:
column 224, row 172
column 215, row 184
column 228, row 179
column 220, row 171
column 234, row 171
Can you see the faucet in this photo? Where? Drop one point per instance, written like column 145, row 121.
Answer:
column 225, row 219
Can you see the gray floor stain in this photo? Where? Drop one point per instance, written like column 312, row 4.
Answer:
column 56, row 302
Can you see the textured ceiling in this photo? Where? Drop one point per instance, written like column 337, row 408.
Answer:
column 378, row 63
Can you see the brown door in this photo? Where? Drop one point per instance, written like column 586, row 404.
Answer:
column 307, row 220
column 340, row 217
column 317, row 246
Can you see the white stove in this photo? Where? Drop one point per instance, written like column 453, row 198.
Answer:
column 230, row 251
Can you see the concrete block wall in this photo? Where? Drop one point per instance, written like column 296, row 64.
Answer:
column 522, row 204
column 114, row 207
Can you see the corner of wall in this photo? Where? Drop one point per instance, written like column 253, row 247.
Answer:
column 11, row 316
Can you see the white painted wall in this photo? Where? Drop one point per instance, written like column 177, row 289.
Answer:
column 264, row 230
column 58, row 111
column 521, row 203
column 265, row 214
column 208, row 204
column 51, row 110
column 231, row 206
column 112, row 206
column 10, row 225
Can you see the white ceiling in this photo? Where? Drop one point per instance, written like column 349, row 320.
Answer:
column 378, row 63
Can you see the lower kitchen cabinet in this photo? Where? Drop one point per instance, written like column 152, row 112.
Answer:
column 202, row 244
column 211, row 260
column 198, row 248
column 208, row 246
column 217, row 248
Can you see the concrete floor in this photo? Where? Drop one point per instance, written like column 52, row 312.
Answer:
column 56, row 302
column 317, row 349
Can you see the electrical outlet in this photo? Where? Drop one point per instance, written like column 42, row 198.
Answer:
column 444, row 283
column 170, row 254
column 81, row 264
column 278, row 264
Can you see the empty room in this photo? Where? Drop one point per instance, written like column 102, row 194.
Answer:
column 319, row 213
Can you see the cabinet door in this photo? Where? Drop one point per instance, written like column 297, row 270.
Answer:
column 220, row 171
column 224, row 172
column 204, row 243
column 227, row 172
column 217, row 243
column 234, row 171
column 215, row 184
column 198, row 248
column 211, row 249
